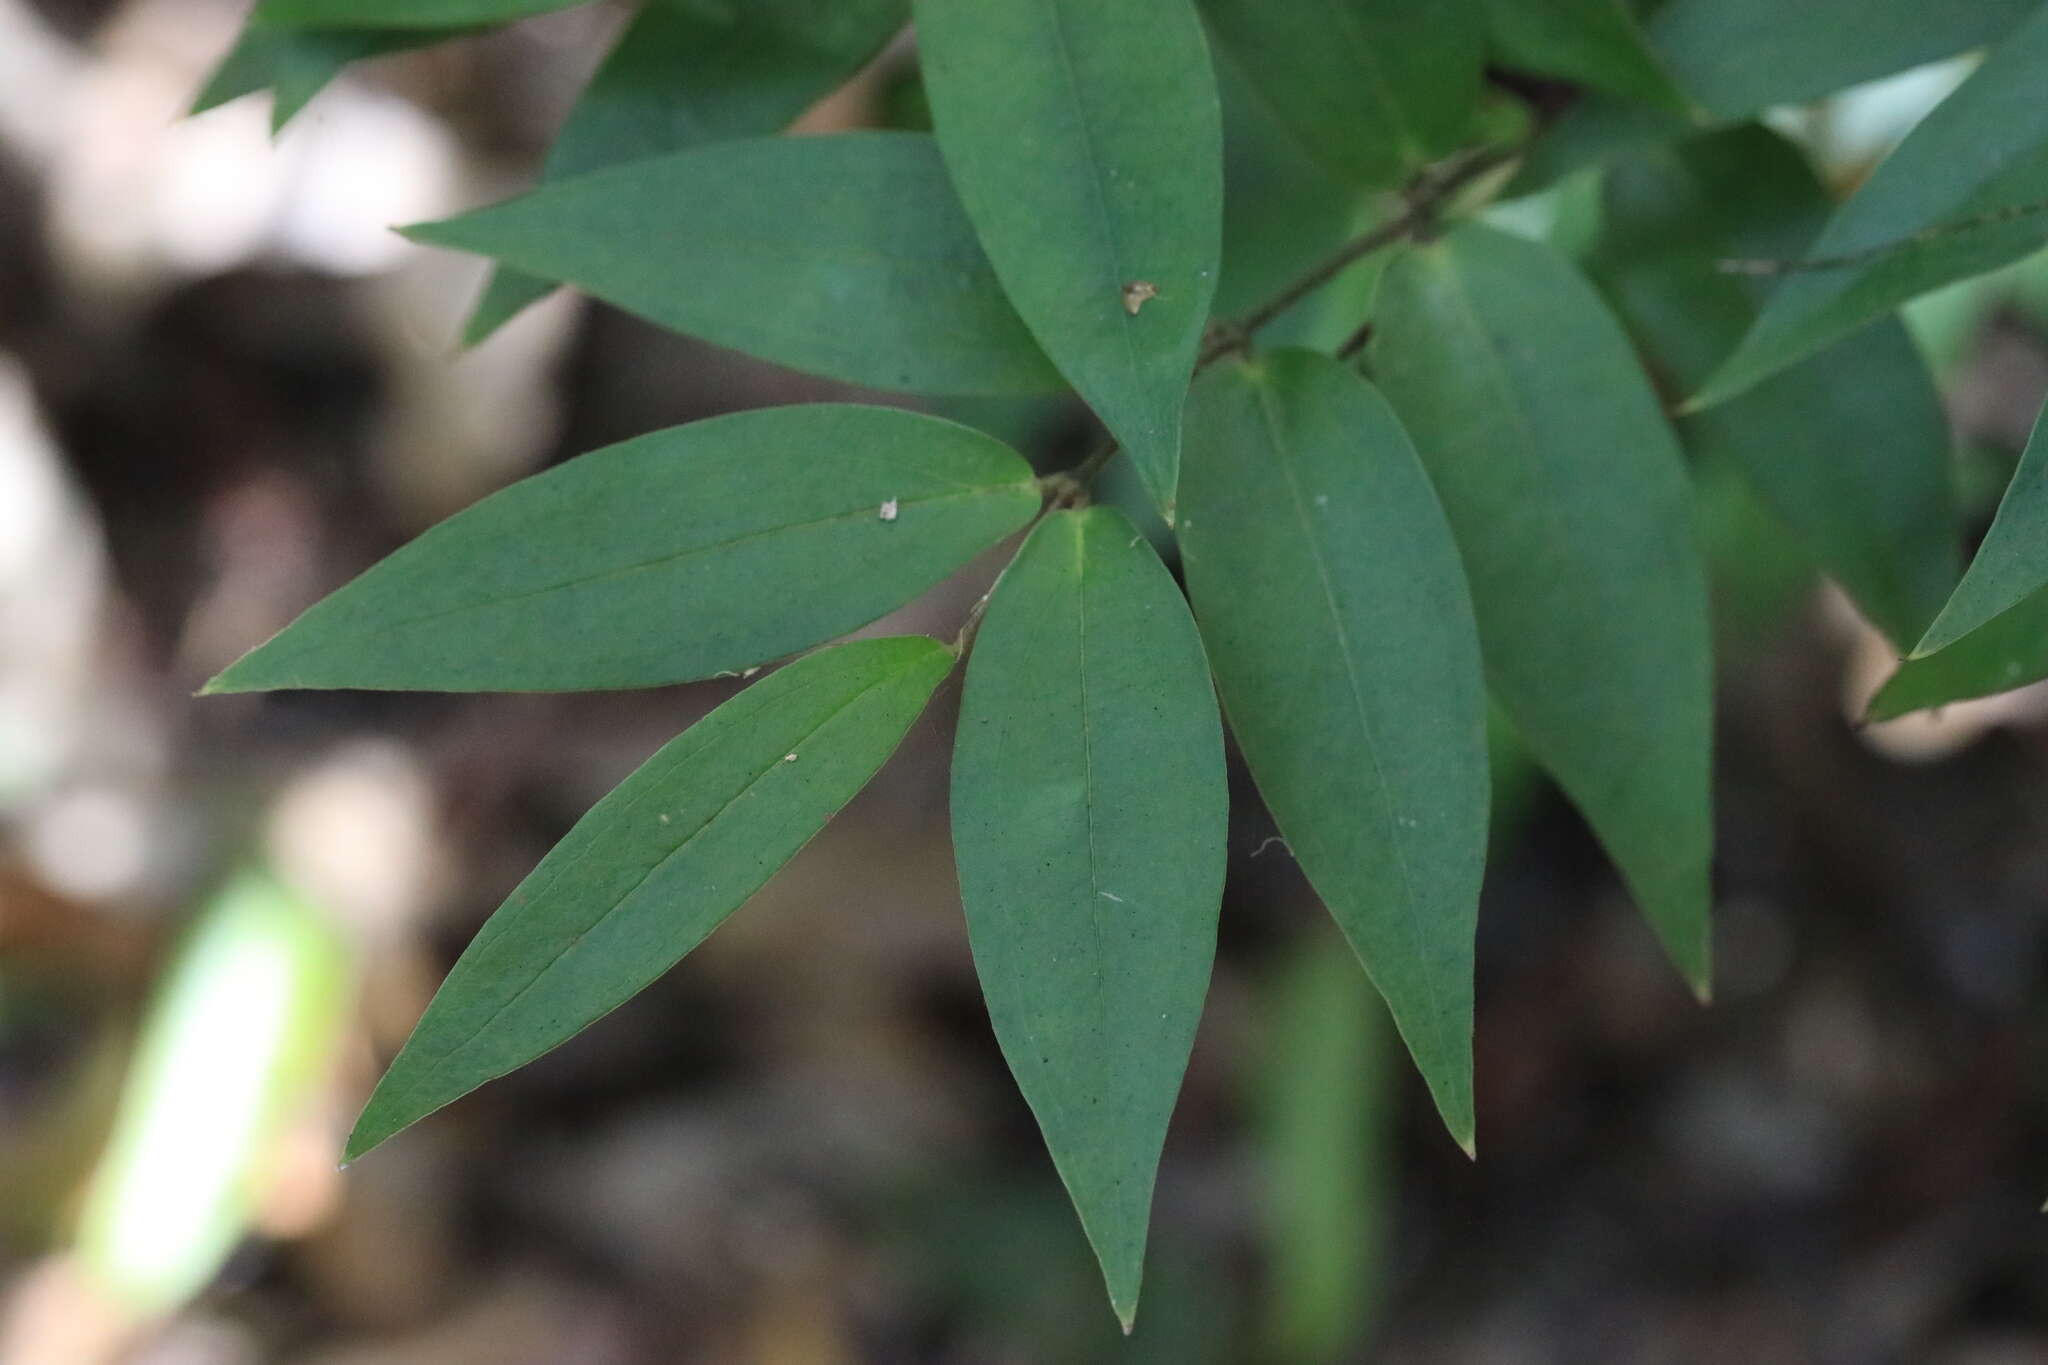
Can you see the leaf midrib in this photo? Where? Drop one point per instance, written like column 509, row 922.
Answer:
column 446, row 1058
column 1269, row 418
column 867, row 510
column 1105, row 220
column 1503, row 379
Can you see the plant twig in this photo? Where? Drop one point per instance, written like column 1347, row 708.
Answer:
column 1357, row 341
column 1084, row 473
column 1425, row 198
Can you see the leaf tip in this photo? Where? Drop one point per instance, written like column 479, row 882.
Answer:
column 1124, row 1303
column 1733, row 378
column 237, row 678
column 429, row 233
column 369, row 1134
column 1697, row 967
column 479, row 328
column 1939, row 636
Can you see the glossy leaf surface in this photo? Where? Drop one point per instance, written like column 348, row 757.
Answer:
column 1089, row 808
column 702, row 549
column 684, row 74
column 1966, row 192
column 656, row 866
column 1374, row 89
column 1567, row 495
column 1086, row 142
column 1849, row 448
column 1335, row 612
column 846, row 256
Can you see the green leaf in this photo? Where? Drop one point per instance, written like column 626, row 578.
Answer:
column 1336, row 616
column 1740, row 57
column 846, row 256
column 1849, row 448
column 1737, row 58
column 1283, row 214
column 1374, row 89
column 685, row 74
column 1594, row 42
column 657, row 865
column 297, row 64
column 1568, row 497
column 1087, row 146
column 689, row 552
column 1966, row 192
column 1089, row 812
column 2008, row 651
column 398, row 13
column 2012, row 563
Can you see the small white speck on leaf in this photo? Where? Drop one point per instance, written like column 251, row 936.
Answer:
column 1137, row 294
column 664, row 817
column 889, row 510
column 1111, row 896
column 789, row 758
column 750, row 672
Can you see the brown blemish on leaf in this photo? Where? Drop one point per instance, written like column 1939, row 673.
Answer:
column 1137, row 294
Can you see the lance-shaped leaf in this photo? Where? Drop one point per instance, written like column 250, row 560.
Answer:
column 398, row 13
column 297, row 64
column 1966, row 192
column 1336, row 617
column 683, row 74
column 1737, row 58
column 2012, row 563
column 2008, row 651
column 1089, row 808
column 1374, row 89
column 1594, row 42
column 1740, row 57
column 1568, row 497
column 698, row 550
column 656, row 866
column 846, row 256
column 1850, row 447
column 1087, row 145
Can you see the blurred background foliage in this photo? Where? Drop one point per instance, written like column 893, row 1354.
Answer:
column 225, row 387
